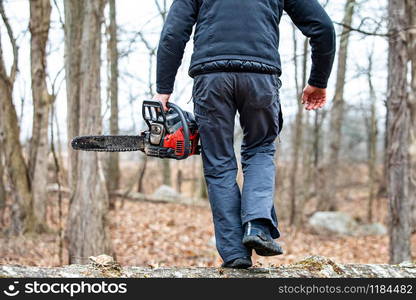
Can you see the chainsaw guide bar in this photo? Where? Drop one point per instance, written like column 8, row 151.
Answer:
column 109, row 143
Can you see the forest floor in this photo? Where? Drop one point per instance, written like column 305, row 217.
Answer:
column 169, row 234
column 161, row 234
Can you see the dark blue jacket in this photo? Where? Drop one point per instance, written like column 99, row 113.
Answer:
column 241, row 35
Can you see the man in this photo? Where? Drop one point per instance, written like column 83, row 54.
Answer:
column 236, row 67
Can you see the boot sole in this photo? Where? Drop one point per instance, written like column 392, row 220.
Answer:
column 242, row 266
column 262, row 248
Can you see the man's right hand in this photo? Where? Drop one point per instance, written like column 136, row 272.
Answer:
column 313, row 97
column 164, row 98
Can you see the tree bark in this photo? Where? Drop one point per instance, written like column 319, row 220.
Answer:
column 329, row 201
column 167, row 177
column 2, row 185
column 372, row 145
column 295, row 207
column 141, row 175
column 113, row 171
column 40, row 12
column 74, row 16
column 87, row 230
column 203, row 191
column 411, row 10
column 398, row 136
column 23, row 219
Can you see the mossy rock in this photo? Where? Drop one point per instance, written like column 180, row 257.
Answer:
column 317, row 264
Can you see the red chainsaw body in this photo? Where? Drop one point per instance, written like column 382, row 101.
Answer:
column 176, row 141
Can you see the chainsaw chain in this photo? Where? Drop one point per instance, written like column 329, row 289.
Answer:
column 78, row 143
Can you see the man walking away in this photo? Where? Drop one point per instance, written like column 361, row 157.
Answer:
column 236, row 67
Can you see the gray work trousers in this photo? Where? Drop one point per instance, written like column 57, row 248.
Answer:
column 217, row 98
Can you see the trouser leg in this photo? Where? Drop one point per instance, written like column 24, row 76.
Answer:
column 215, row 110
column 260, row 117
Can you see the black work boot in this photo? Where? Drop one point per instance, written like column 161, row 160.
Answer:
column 258, row 237
column 238, row 263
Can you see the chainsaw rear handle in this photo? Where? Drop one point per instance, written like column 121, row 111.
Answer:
column 153, row 110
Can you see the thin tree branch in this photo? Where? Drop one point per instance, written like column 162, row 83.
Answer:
column 161, row 10
column 14, row 68
column 375, row 33
column 59, row 14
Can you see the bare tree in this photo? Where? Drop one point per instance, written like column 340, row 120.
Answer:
column 167, row 177
column 113, row 171
column 2, row 185
column 398, row 135
column 87, row 230
column 162, row 9
column 40, row 13
column 74, row 17
column 297, row 138
column 372, row 142
column 203, row 191
column 411, row 10
column 142, row 172
column 23, row 218
column 328, row 202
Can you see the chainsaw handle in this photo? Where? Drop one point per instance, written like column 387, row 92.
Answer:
column 187, row 146
column 152, row 110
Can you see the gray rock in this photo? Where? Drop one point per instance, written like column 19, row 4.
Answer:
column 339, row 223
column 166, row 192
column 372, row 229
column 333, row 223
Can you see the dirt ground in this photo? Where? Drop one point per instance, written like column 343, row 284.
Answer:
column 178, row 235
column 149, row 234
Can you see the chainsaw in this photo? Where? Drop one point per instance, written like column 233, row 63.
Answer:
column 172, row 134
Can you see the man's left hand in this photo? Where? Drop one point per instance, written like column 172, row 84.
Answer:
column 164, row 98
column 313, row 97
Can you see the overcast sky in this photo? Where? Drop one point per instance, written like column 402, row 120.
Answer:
column 134, row 16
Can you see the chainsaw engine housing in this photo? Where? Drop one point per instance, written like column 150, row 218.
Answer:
column 173, row 134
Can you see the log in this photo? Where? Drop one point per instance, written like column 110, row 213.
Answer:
column 140, row 197
column 310, row 267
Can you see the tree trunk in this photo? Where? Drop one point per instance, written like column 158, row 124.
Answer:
column 411, row 10
column 372, row 146
column 398, row 131
column 141, row 175
column 329, row 201
column 194, row 176
column 2, row 185
column 23, row 219
column 113, row 171
column 74, row 16
column 297, row 143
column 203, row 191
column 40, row 12
column 87, row 230
column 167, row 178
column 179, row 181
column 318, row 168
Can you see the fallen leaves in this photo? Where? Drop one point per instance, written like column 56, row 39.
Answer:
column 157, row 235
